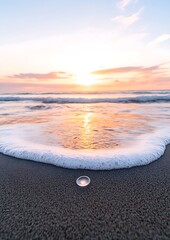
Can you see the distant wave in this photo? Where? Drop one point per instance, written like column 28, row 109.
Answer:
column 136, row 92
column 38, row 107
column 137, row 99
column 149, row 92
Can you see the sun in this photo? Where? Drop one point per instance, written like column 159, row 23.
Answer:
column 86, row 79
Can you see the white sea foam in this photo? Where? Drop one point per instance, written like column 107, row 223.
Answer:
column 144, row 151
column 59, row 100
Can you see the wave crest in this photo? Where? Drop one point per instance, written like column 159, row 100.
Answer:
column 138, row 99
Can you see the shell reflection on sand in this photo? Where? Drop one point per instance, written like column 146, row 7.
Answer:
column 83, row 181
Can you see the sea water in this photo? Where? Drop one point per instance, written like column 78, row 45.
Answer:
column 89, row 131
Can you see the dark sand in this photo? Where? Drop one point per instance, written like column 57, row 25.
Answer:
column 41, row 201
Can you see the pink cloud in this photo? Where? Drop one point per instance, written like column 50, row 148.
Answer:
column 42, row 76
column 126, row 70
column 136, row 77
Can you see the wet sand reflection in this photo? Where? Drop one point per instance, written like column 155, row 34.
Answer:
column 88, row 130
column 85, row 127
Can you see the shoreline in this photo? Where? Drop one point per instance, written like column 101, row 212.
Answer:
column 152, row 146
column 39, row 200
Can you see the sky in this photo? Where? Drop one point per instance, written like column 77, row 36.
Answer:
column 84, row 45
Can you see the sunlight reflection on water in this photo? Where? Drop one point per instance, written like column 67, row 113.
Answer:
column 86, row 126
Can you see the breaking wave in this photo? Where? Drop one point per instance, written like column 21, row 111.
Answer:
column 144, row 151
column 64, row 100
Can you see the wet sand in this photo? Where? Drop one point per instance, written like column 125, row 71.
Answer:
column 41, row 201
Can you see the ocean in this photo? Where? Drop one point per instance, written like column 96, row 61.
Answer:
column 98, row 131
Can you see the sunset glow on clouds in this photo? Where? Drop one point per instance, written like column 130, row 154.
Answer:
column 114, row 45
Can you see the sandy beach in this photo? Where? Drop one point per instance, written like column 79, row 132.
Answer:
column 41, row 201
column 85, row 99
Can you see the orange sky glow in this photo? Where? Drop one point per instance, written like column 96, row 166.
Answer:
column 120, row 47
column 122, row 78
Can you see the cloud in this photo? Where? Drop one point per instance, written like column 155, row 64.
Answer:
column 126, row 70
column 120, row 78
column 136, row 77
column 123, row 3
column 160, row 39
column 127, row 20
column 41, row 76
